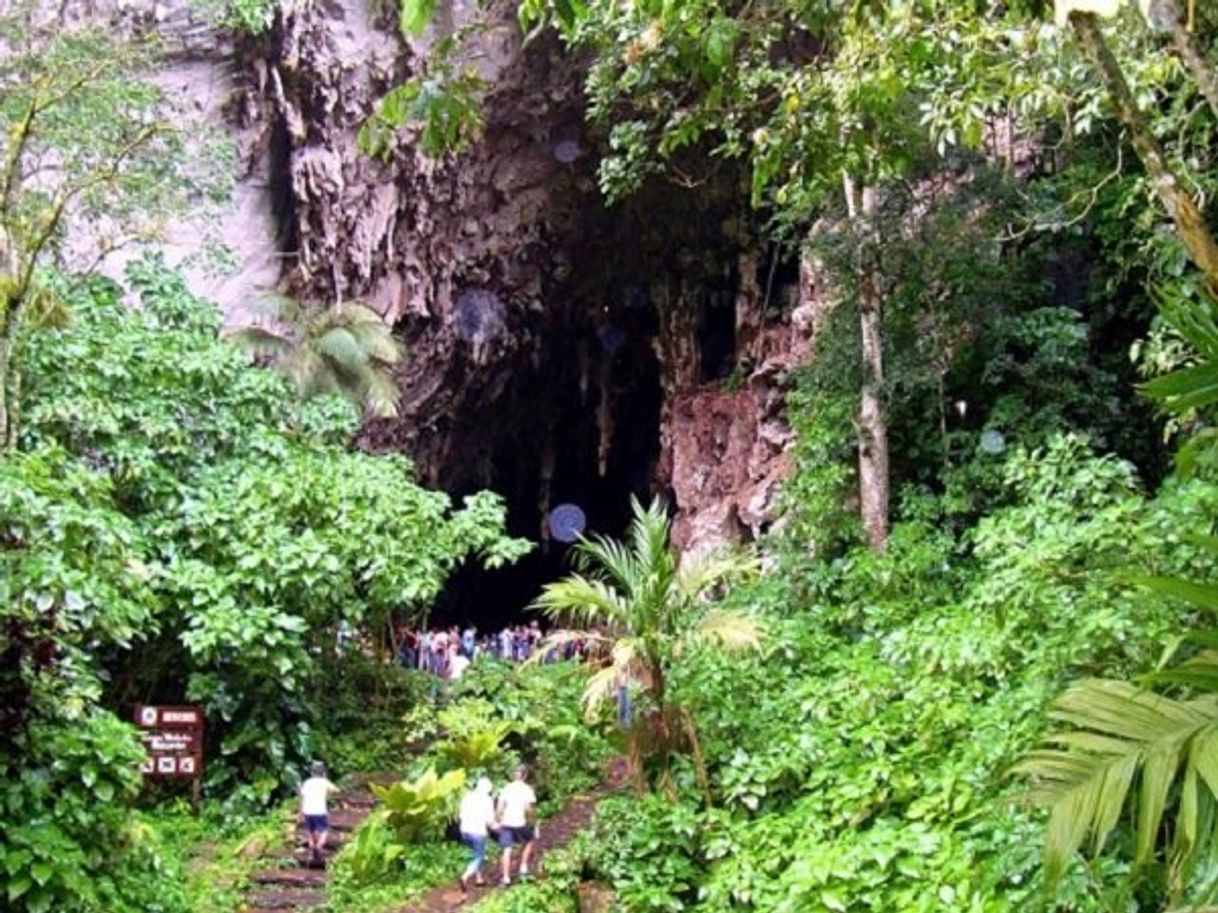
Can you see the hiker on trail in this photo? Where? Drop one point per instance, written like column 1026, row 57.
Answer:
column 477, row 819
column 469, row 640
column 314, row 809
column 517, row 813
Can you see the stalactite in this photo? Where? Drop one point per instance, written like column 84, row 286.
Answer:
column 545, row 492
column 750, row 307
column 604, row 417
column 583, row 372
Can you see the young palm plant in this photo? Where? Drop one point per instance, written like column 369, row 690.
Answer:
column 1125, row 745
column 645, row 608
column 347, row 350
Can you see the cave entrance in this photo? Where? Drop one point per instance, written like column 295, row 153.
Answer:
column 581, row 427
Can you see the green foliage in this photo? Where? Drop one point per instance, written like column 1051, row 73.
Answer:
column 374, row 852
column 238, row 519
column 443, row 105
column 652, row 611
column 253, row 17
column 71, row 840
column 345, row 350
column 418, row 810
column 1119, row 733
column 861, row 760
column 421, row 867
column 76, row 96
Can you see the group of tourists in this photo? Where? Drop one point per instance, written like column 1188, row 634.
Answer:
column 447, row 652
column 511, row 818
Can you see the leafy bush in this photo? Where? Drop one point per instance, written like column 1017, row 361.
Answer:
column 241, row 531
column 71, row 839
column 419, row 810
column 860, row 763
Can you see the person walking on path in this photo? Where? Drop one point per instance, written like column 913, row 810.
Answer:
column 517, row 823
column 314, row 808
column 477, row 819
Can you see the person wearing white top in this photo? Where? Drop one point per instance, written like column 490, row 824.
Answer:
column 517, row 822
column 477, row 817
column 314, row 795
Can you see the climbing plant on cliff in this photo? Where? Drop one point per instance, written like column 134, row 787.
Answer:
column 84, row 138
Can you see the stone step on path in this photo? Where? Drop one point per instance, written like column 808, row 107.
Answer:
column 290, row 880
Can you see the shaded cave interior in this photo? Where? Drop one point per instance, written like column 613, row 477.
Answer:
column 576, row 415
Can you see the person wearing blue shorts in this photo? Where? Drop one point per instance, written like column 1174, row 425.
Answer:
column 314, row 800
column 477, row 819
column 517, row 813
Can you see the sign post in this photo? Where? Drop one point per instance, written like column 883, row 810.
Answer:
column 173, row 742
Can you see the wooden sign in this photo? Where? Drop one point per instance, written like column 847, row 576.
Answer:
column 173, row 740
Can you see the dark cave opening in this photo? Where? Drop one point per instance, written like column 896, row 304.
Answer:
column 583, row 428
column 573, row 415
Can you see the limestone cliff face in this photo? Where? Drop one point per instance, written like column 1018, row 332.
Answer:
column 559, row 349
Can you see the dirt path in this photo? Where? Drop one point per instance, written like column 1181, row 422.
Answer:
column 288, row 883
column 556, row 831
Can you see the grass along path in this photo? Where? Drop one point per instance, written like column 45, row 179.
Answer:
column 288, row 883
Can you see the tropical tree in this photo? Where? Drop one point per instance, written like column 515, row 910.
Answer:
column 86, row 140
column 1189, row 220
column 644, row 608
column 1125, row 744
column 347, row 350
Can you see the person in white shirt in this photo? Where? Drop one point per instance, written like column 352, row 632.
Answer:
column 477, row 818
column 314, row 809
column 457, row 664
column 517, row 822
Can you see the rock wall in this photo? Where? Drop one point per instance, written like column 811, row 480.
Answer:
column 556, row 346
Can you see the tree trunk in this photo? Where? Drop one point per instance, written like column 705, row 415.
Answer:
column 872, row 426
column 1190, row 52
column 1190, row 223
column 5, row 358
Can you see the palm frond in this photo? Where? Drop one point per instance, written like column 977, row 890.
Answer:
column 610, row 559
column 340, row 346
column 1120, row 733
column 625, row 666
column 1199, row 672
column 277, row 307
column 1202, row 595
column 262, row 340
column 370, row 330
column 589, row 601
column 1190, row 310
column 560, row 639
column 700, row 573
column 731, row 632
column 649, row 533
column 346, row 350
column 382, row 394
column 602, row 686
